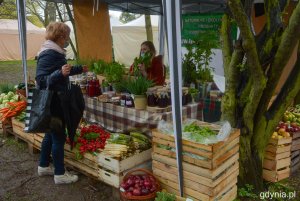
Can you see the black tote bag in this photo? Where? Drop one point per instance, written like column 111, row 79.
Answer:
column 38, row 111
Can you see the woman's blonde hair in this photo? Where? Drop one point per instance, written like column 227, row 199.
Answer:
column 55, row 30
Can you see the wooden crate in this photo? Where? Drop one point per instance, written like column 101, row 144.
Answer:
column 115, row 165
column 6, row 127
column 295, row 152
column 276, row 165
column 209, row 176
column 115, row 179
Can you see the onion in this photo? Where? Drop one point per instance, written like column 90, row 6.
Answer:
column 136, row 192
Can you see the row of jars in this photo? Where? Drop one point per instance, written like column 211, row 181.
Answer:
column 161, row 97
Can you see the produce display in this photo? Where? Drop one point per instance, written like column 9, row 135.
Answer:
column 281, row 131
column 121, row 145
column 90, row 139
column 10, row 106
column 198, row 133
column 139, row 185
column 292, row 115
column 5, row 98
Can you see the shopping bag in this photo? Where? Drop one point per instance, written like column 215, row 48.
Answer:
column 38, row 111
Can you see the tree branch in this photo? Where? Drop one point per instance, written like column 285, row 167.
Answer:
column 62, row 20
column 74, row 27
column 256, row 72
column 288, row 42
column 226, row 41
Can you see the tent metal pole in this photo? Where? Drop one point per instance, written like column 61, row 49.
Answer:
column 173, row 15
column 21, row 5
column 161, row 35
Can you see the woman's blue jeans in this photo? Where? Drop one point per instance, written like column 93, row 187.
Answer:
column 53, row 142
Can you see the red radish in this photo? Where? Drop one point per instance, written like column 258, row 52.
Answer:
column 136, row 192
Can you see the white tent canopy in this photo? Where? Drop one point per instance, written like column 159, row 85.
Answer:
column 127, row 38
column 9, row 40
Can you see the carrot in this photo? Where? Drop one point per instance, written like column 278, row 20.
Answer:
column 12, row 103
column 3, row 110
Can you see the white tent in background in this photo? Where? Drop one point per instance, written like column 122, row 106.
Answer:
column 9, row 37
column 128, row 37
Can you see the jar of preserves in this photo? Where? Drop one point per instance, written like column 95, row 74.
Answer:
column 162, row 98
column 151, row 97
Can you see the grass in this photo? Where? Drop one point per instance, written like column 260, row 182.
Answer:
column 11, row 72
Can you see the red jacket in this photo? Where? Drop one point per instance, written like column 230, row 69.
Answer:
column 156, row 72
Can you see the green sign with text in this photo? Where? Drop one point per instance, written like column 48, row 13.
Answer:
column 203, row 27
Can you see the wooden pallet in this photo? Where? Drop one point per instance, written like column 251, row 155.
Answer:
column 18, row 129
column 277, row 161
column 209, row 176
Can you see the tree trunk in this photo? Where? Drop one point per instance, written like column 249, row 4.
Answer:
column 297, row 99
column 52, row 12
column 250, row 165
column 148, row 28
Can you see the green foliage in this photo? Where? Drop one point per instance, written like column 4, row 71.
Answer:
column 247, row 192
column 98, row 67
column 281, row 188
column 5, row 88
column 127, row 17
column 146, row 60
column 8, row 10
column 114, row 72
column 120, row 86
column 164, row 196
column 196, row 62
column 139, row 85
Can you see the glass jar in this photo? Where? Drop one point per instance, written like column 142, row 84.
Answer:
column 151, row 97
column 185, row 92
column 123, row 99
column 162, row 98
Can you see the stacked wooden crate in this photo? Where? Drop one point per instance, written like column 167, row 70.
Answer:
column 211, row 175
column 112, row 170
column 276, row 165
column 295, row 152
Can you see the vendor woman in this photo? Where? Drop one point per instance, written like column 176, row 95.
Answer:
column 156, row 70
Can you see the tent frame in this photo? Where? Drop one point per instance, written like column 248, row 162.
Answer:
column 172, row 17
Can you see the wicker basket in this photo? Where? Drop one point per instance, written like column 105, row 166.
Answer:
column 149, row 197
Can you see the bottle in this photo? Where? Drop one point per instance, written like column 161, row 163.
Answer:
column 123, row 100
column 129, row 101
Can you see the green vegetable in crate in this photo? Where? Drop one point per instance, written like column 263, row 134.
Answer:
column 118, row 138
column 198, row 133
column 141, row 141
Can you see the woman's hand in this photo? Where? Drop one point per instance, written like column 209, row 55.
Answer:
column 142, row 69
column 65, row 69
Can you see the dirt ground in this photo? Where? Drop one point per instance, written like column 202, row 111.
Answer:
column 19, row 180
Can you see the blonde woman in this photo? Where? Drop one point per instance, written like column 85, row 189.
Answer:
column 53, row 72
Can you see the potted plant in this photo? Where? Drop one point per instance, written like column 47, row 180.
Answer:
column 138, row 86
column 196, row 63
column 114, row 72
